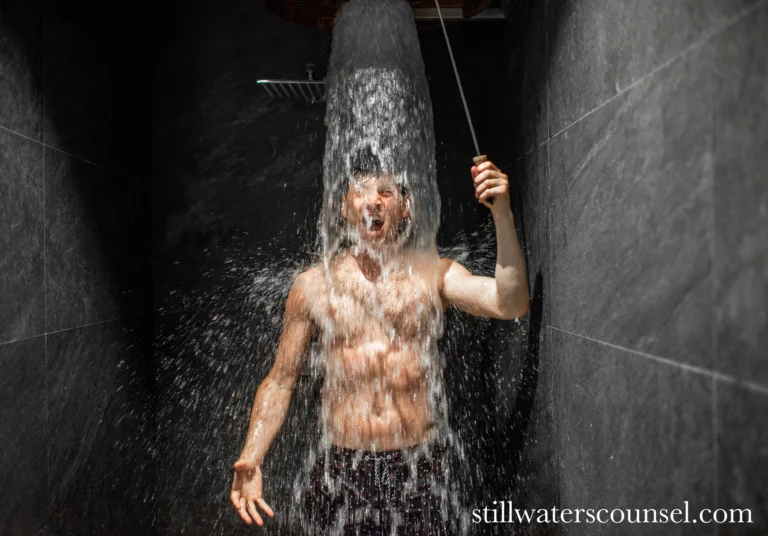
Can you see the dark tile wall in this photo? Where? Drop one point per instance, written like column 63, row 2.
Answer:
column 24, row 469
column 647, row 223
column 739, row 104
column 74, row 271
column 630, row 187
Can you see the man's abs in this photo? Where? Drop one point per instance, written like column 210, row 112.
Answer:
column 375, row 397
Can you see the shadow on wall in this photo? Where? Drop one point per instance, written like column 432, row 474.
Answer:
column 522, row 411
column 77, row 97
column 525, row 437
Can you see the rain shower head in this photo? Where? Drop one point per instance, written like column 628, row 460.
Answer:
column 310, row 91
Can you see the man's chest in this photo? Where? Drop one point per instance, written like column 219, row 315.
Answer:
column 353, row 307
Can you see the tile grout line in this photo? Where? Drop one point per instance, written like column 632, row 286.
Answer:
column 696, row 44
column 715, row 448
column 689, row 368
column 45, row 279
column 45, row 341
column 88, row 325
column 120, row 174
column 548, row 198
column 13, row 341
column 713, row 288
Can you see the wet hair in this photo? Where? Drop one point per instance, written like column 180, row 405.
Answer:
column 365, row 163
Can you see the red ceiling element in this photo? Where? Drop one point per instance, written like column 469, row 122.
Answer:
column 321, row 13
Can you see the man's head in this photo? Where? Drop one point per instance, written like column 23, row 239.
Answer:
column 373, row 204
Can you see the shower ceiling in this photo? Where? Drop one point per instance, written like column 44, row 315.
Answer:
column 320, row 13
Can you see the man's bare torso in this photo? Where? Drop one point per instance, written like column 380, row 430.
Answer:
column 377, row 337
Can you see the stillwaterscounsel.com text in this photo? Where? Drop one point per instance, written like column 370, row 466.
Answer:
column 504, row 512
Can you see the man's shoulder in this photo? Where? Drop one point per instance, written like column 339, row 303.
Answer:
column 308, row 279
column 450, row 267
column 303, row 291
column 445, row 265
column 309, row 272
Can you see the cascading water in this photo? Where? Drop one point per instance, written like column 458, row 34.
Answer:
column 378, row 97
column 379, row 117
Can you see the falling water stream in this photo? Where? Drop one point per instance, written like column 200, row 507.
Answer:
column 378, row 337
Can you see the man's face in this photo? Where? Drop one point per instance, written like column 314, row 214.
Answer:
column 374, row 207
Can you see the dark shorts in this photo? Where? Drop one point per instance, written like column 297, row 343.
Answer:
column 384, row 493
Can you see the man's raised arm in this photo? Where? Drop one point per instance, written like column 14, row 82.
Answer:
column 504, row 296
column 270, row 405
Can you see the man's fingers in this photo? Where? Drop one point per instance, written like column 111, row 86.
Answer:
column 487, row 165
column 265, row 507
column 488, row 174
column 254, row 514
column 495, row 190
column 491, row 183
column 239, row 503
column 499, row 190
column 242, row 511
column 480, row 177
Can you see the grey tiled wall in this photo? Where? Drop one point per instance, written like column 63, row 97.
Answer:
column 643, row 179
column 74, row 273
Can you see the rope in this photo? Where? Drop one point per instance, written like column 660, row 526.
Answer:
column 458, row 80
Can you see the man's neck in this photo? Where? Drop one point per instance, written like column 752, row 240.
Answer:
column 371, row 266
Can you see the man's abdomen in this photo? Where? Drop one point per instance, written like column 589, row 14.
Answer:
column 375, row 395
column 384, row 421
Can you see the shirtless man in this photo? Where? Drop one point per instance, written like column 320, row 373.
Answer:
column 375, row 330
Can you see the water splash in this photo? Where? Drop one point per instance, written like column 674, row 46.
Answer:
column 378, row 98
column 378, row 350
column 378, row 104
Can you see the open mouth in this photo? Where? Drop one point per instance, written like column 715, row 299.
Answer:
column 377, row 224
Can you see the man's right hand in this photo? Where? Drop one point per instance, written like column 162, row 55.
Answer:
column 246, row 492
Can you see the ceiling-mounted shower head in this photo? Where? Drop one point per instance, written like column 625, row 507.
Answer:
column 310, row 91
column 321, row 14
